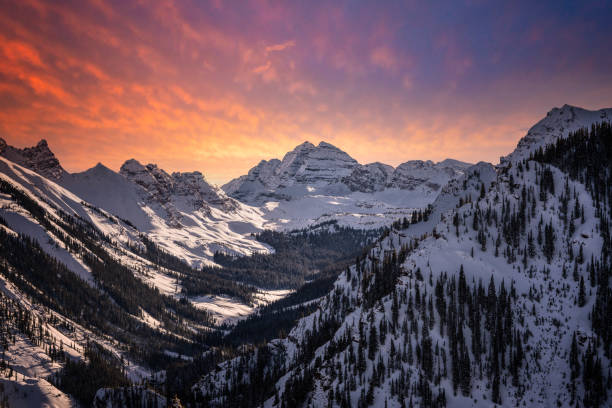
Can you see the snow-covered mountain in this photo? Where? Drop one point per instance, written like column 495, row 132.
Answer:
column 501, row 296
column 161, row 187
column 558, row 123
column 181, row 212
column 318, row 183
column 325, row 169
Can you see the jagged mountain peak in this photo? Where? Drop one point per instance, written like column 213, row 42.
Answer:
column 304, row 145
column 133, row 165
column 146, row 175
column 417, row 163
column 38, row 158
column 307, row 149
column 326, row 145
column 164, row 188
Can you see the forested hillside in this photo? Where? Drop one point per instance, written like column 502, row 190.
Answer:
column 506, row 301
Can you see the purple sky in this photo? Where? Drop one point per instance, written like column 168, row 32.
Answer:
column 218, row 86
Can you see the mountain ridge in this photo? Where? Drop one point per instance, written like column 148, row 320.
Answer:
column 557, row 123
column 302, row 166
column 414, row 323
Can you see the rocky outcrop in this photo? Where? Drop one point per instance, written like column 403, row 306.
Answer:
column 165, row 188
column 369, row 178
column 38, row 158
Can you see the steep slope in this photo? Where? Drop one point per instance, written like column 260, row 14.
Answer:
column 501, row 297
column 38, row 208
column 180, row 212
column 314, row 184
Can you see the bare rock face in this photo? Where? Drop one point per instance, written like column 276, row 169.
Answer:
column 369, row 178
column 38, row 158
column 176, row 189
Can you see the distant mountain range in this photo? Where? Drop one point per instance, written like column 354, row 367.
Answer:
column 192, row 219
column 325, row 169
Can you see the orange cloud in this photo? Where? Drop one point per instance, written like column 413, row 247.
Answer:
column 194, row 88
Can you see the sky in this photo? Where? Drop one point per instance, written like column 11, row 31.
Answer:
column 217, row 86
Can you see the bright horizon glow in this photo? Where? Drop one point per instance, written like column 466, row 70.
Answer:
column 208, row 86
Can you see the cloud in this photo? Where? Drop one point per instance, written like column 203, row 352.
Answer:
column 280, row 47
column 263, row 68
column 190, row 86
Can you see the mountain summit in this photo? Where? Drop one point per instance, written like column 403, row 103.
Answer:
column 38, row 158
column 305, row 165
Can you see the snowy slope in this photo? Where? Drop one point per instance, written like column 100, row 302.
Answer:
column 122, row 235
column 29, row 357
column 53, row 198
column 180, row 212
column 545, row 376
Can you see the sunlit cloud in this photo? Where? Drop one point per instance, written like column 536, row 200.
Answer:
column 281, row 46
column 214, row 87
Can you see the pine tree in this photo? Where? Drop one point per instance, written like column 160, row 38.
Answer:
column 373, row 342
column 581, row 293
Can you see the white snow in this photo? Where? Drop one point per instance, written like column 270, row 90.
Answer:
column 228, row 310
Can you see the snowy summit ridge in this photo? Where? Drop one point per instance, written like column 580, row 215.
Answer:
column 314, row 184
column 161, row 186
column 558, row 123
